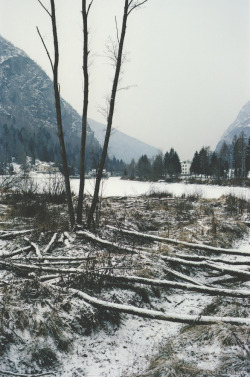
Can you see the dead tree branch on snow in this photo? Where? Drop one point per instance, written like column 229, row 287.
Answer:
column 157, row 315
column 181, row 243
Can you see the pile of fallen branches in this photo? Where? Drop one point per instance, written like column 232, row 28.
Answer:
column 49, row 264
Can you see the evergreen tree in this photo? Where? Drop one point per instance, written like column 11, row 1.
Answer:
column 166, row 163
column 131, row 169
column 239, row 155
column 144, row 167
column 214, row 165
column 172, row 165
column 248, row 156
column 195, row 164
column 225, row 158
column 204, row 155
column 157, row 167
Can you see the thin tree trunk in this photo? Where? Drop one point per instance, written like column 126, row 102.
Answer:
column 85, row 109
column 59, row 117
column 110, row 115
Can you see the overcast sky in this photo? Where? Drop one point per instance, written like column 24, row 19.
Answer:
column 188, row 64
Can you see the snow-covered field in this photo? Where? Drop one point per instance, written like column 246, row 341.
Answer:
column 115, row 186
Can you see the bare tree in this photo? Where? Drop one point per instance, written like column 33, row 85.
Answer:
column 117, row 57
column 54, row 67
column 129, row 6
column 85, row 13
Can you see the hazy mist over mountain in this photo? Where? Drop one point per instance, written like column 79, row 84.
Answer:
column 121, row 145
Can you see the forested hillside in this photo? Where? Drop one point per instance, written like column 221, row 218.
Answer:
column 27, row 114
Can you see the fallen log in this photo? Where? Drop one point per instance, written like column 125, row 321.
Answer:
column 226, row 280
column 6, row 373
column 157, row 315
column 205, row 264
column 16, row 252
column 34, row 247
column 177, row 285
column 229, row 270
column 198, row 258
column 13, row 234
column 60, row 259
column 181, row 243
column 51, row 244
column 68, row 237
column 59, row 271
column 182, row 276
column 90, row 236
column 130, row 279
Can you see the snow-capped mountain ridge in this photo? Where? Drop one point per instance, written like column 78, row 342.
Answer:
column 8, row 51
column 241, row 124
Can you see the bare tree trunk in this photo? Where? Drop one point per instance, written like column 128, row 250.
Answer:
column 129, row 6
column 59, row 117
column 85, row 13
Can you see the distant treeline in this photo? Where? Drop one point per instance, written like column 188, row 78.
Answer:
column 232, row 160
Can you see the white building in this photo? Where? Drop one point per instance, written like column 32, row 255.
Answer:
column 185, row 167
column 46, row 167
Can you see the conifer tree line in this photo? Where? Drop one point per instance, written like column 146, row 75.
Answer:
column 161, row 166
column 232, row 160
column 41, row 144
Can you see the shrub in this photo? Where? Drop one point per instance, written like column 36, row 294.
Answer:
column 44, row 357
column 159, row 194
column 235, row 205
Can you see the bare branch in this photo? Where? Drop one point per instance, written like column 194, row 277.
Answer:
column 117, row 31
column 138, row 4
column 89, row 7
column 46, row 10
column 126, row 87
column 44, row 45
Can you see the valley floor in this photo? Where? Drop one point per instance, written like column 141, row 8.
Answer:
column 66, row 296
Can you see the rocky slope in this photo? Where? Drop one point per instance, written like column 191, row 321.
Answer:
column 241, row 124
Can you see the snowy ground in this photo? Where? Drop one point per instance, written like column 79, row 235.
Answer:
column 126, row 348
column 114, row 186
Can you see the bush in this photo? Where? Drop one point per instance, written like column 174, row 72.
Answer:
column 159, row 194
column 44, row 357
column 235, row 205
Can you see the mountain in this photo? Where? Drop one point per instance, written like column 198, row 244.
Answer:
column 241, row 124
column 121, row 145
column 28, row 124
